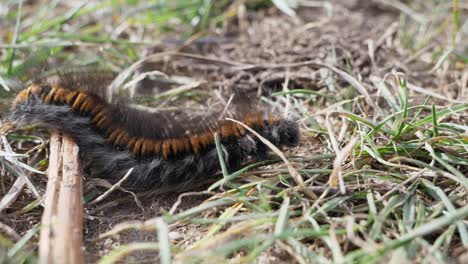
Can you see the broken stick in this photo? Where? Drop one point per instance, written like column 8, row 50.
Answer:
column 61, row 238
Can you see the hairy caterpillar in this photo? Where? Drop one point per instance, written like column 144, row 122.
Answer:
column 114, row 137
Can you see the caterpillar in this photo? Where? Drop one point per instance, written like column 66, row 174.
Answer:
column 163, row 152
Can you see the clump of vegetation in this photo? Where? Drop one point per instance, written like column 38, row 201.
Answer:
column 379, row 89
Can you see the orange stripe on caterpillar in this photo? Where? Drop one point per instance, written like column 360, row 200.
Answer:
column 78, row 101
column 21, row 97
column 137, row 147
column 147, row 147
column 70, row 97
column 35, row 89
column 131, row 143
column 157, row 146
column 100, row 114
column 59, row 96
column 113, row 136
column 195, row 143
column 185, row 145
column 87, row 105
column 50, row 95
column 122, row 138
column 178, row 146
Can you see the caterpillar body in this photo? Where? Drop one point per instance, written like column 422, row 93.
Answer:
column 113, row 137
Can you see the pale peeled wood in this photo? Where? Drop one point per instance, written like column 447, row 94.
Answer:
column 51, row 200
column 62, row 235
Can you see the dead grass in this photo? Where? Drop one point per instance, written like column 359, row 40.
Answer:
column 379, row 88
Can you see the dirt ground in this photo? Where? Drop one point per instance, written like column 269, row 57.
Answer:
column 268, row 38
column 250, row 54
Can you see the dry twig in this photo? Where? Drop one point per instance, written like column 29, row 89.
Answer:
column 62, row 236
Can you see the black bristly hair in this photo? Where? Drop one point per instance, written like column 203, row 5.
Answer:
column 114, row 138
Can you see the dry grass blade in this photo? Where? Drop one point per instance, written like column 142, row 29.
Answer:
column 9, row 231
column 125, row 75
column 329, row 67
column 21, row 180
column 346, row 76
column 294, row 174
column 356, row 84
column 399, row 187
column 229, row 235
column 112, row 188
column 433, row 94
column 13, row 193
column 19, row 166
column 336, row 177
